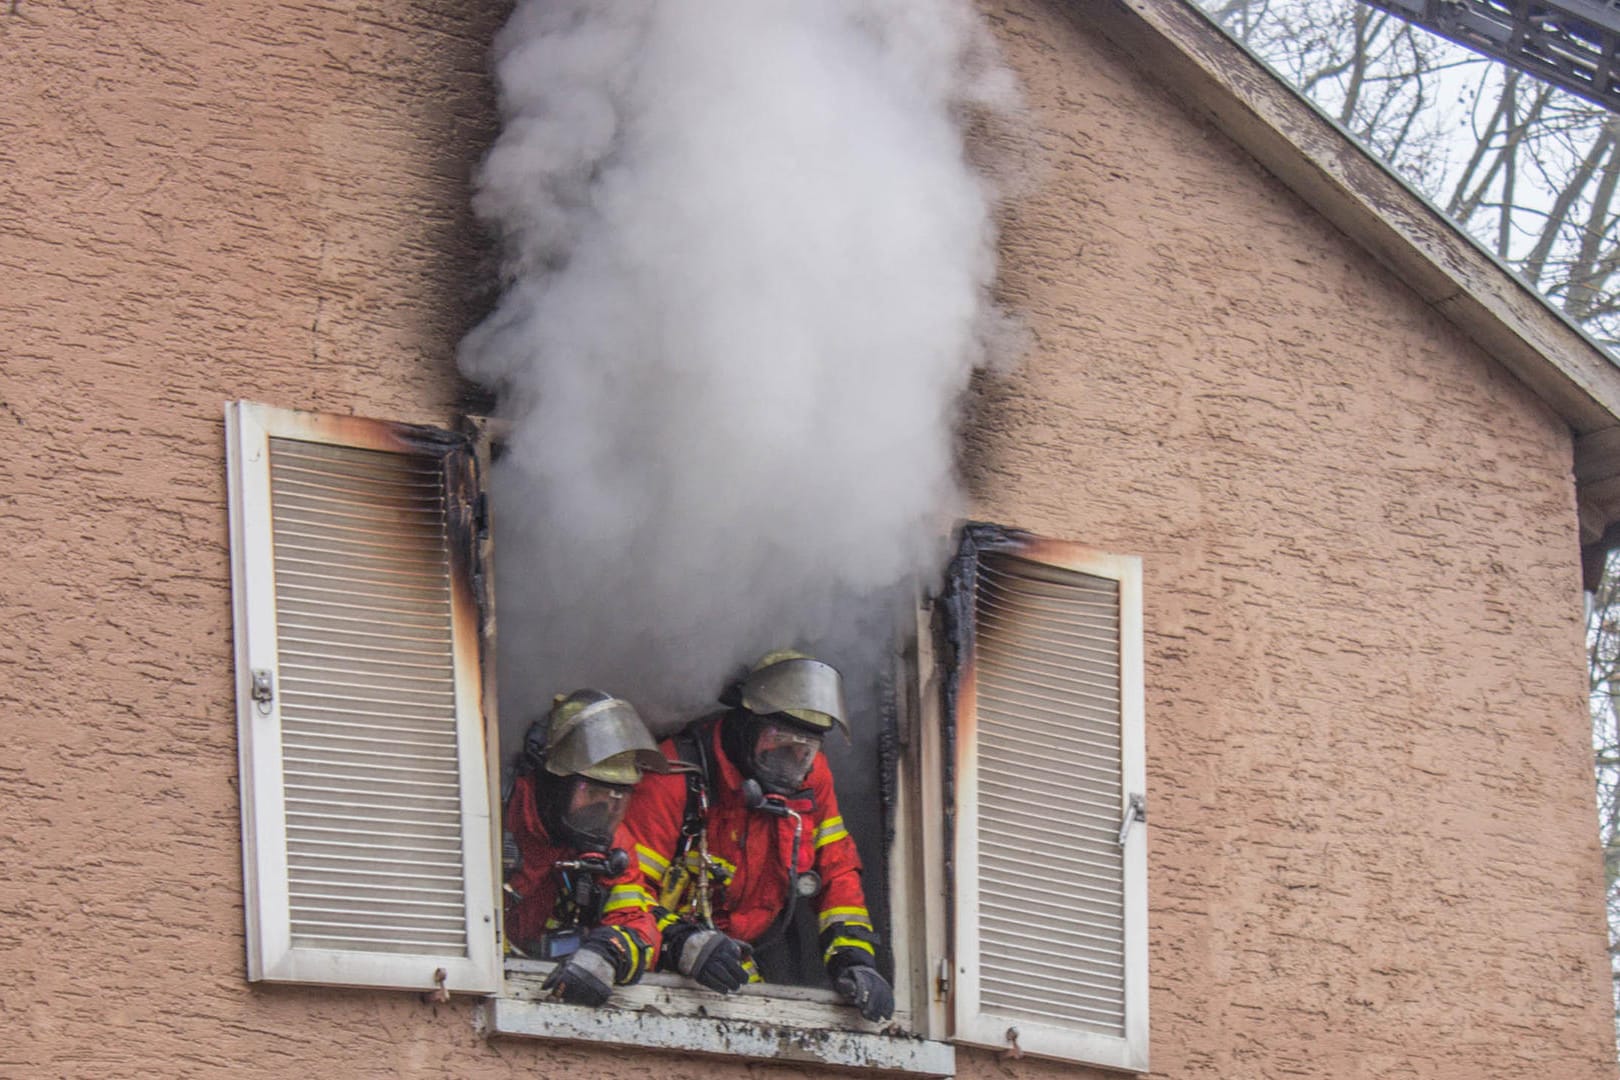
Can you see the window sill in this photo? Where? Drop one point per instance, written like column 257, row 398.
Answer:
column 762, row 1023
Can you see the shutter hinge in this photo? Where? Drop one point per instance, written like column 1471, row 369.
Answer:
column 942, row 983
column 264, row 689
column 1135, row 810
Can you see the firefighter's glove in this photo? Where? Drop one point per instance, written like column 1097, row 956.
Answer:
column 862, row 986
column 586, row 977
column 713, row 959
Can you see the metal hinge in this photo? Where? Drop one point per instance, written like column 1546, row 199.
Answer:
column 942, row 984
column 264, row 689
column 1135, row 810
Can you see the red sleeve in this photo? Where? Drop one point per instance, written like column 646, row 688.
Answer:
column 628, row 909
column 845, row 925
column 530, row 893
column 651, row 830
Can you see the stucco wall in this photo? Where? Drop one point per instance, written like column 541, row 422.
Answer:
column 1371, row 826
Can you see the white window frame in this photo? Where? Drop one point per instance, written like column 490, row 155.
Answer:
column 971, row 1023
column 271, row 956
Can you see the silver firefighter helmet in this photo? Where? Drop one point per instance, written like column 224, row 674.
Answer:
column 800, row 686
column 594, row 734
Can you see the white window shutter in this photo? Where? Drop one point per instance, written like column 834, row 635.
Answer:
column 368, row 855
column 1051, row 869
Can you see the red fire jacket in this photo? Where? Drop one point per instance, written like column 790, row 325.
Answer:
column 536, row 908
column 749, row 851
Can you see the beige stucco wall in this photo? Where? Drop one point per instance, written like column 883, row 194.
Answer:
column 1372, row 849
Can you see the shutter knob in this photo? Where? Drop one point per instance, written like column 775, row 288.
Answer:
column 1135, row 810
column 264, row 689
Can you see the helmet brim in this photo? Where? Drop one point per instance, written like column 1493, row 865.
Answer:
column 607, row 740
column 805, row 689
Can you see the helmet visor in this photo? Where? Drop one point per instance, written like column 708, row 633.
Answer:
column 602, row 732
column 783, row 755
column 594, row 810
column 805, row 689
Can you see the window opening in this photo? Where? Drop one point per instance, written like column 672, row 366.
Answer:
column 864, row 767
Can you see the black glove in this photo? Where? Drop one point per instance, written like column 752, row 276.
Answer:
column 862, row 986
column 587, row 977
column 710, row 957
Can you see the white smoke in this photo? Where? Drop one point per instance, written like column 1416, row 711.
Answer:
column 747, row 268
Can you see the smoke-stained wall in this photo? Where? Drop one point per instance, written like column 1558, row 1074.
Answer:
column 1370, row 841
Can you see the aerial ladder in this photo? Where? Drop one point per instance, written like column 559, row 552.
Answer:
column 1573, row 44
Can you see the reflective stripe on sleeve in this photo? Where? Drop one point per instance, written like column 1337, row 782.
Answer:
column 858, row 915
column 846, row 943
column 625, row 896
column 654, row 865
column 830, row 830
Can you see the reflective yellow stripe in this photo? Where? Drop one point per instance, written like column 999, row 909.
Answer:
column 653, row 865
column 830, row 830
column 846, row 914
column 624, row 896
column 846, row 943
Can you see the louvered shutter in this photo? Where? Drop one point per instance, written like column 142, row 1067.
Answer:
column 367, row 846
column 1050, row 928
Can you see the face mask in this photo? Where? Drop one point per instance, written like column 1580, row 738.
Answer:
column 782, row 756
column 594, row 810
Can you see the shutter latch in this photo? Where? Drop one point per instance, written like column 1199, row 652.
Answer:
column 264, row 689
column 1135, row 810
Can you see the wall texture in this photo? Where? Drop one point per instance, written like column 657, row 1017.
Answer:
column 1371, row 825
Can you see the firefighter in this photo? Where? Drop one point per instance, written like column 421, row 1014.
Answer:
column 752, row 830
column 572, row 894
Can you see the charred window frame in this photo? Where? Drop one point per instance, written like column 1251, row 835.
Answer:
column 773, row 1021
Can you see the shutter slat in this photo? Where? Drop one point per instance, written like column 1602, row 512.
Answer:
column 1072, row 808
column 1096, row 695
column 368, row 882
column 421, row 680
column 315, row 602
column 1074, row 872
column 373, row 727
column 334, row 690
column 310, row 703
column 335, row 622
column 1020, row 830
column 316, row 736
column 299, row 547
column 1005, row 764
column 337, row 639
column 369, row 760
column 315, row 577
column 1093, row 642
column 379, row 541
column 1015, row 934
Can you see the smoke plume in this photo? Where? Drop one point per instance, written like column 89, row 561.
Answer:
column 746, row 266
